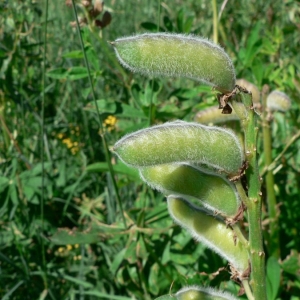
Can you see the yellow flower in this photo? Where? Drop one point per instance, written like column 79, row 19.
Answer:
column 110, row 122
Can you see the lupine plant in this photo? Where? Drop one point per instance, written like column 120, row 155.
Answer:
column 209, row 174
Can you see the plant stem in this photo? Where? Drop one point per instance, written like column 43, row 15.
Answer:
column 101, row 129
column 215, row 21
column 247, row 290
column 42, row 204
column 257, row 255
column 273, row 238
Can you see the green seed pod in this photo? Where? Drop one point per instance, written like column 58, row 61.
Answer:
column 214, row 192
column 213, row 115
column 210, row 231
column 250, row 87
column 177, row 55
column 182, row 142
column 198, row 293
column 278, row 101
column 202, row 293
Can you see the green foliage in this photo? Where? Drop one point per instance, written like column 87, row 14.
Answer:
column 39, row 259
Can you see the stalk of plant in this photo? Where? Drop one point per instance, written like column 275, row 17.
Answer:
column 187, row 143
column 253, row 201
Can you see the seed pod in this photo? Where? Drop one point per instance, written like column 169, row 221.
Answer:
column 250, row 87
column 212, row 191
column 278, row 101
column 210, row 231
column 214, row 115
column 202, row 293
column 182, row 142
column 177, row 55
column 198, row 293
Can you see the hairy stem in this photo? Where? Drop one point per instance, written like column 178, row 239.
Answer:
column 257, row 255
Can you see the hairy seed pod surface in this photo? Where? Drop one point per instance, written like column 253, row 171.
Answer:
column 214, row 115
column 278, row 101
column 182, row 142
column 214, row 192
column 202, row 293
column 177, row 55
column 250, row 87
column 209, row 230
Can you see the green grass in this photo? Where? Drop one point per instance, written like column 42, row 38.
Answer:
column 62, row 233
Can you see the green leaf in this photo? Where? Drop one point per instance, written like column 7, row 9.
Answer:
column 180, row 20
column 59, row 73
column 291, row 264
column 119, row 168
column 273, row 278
column 153, row 279
column 168, row 23
column 73, row 54
column 151, row 26
column 65, row 236
column 188, row 24
column 4, row 181
column 104, row 106
column 76, row 73
column 130, row 112
column 130, row 254
column 117, row 261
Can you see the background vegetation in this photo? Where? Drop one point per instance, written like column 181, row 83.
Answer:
column 62, row 231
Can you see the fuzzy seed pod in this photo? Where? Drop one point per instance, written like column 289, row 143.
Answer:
column 214, row 192
column 278, row 101
column 177, row 55
column 202, row 293
column 180, row 141
column 214, row 115
column 250, row 87
column 195, row 292
column 210, row 231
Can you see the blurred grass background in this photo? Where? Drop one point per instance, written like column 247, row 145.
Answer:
column 62, row 233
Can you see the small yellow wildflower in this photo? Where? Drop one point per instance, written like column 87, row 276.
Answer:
column 110, row 122
column 61, row 249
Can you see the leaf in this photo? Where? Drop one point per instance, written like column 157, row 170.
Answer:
column 180, row 20
column 273, row 278
column 151, row 26
column 76, row 73
column 168, row 23
column 291, row 264
column 65, row 236
column 130, row 254
column 153, row 279
column 59, row 73
column 188, row 24
column 130, row 112
column 73, row 54
column 117, row 261
column 4, row 181
column 119, row 168
column 104, row 106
